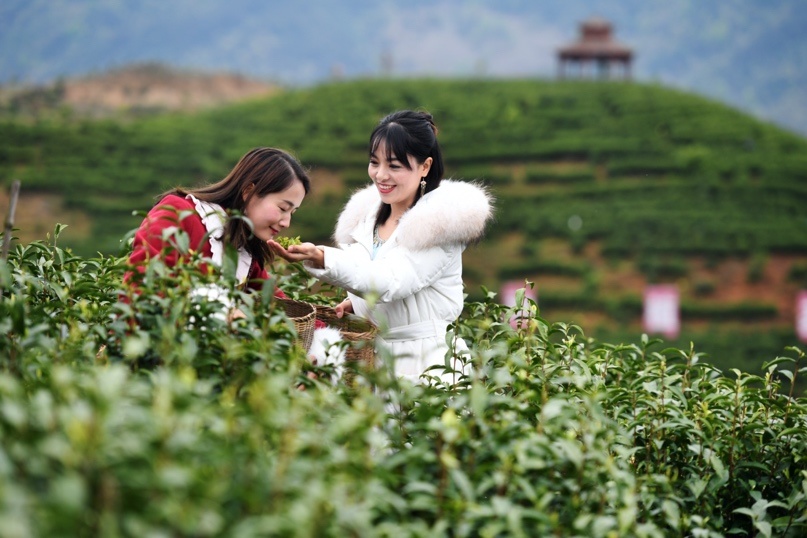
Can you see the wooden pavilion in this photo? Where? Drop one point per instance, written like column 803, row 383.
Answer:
column 595, row 49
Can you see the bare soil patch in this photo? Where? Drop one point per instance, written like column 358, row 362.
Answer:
column 37, row 214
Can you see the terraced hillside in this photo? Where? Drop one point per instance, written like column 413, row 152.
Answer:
column 601, row 187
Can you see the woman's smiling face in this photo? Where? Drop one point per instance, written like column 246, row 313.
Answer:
column 271, row 214
column 396, row 183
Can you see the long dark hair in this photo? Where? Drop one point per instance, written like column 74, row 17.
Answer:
column 269, row 170
column 405, row 133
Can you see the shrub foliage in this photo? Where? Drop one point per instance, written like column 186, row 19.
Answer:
column 149, row 416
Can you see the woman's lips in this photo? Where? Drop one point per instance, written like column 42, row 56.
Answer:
column 385, row 189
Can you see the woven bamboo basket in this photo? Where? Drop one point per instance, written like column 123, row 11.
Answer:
column 360, row 334
column 304, row 316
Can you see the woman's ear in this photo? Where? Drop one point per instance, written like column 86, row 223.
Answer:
column 425, row 167
column 247, row 191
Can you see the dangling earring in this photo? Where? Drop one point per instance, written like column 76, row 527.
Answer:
column 422, row 187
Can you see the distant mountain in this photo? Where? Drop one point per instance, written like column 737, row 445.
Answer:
column 749, row 53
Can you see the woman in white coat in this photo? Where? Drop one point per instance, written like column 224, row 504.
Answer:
column 400, row 243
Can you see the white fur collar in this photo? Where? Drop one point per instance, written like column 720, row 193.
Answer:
column 455, row 212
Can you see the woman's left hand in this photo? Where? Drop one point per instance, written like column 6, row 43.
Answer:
column 304, row 252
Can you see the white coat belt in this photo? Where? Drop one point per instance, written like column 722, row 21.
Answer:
column 416, row 331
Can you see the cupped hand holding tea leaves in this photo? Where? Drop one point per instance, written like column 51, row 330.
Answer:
column 298, row 252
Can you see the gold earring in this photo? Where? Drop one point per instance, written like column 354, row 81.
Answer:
column 422, row 187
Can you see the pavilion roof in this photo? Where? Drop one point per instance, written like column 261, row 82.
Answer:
column 595, row 41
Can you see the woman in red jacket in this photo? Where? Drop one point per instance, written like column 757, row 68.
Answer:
column 266, row 186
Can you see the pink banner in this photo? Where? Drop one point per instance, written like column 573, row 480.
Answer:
column 508, row 296
column 509, row 289
column 661, row 310
column 801, row 315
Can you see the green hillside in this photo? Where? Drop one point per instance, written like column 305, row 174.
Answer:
column 601, row 188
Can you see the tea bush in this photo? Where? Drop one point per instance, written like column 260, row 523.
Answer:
column 130, row 412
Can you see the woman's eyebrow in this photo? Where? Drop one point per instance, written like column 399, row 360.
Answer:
column 392, row 158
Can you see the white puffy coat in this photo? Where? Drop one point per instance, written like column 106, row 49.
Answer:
column 414, row 284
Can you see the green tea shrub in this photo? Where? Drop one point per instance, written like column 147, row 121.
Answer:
column 703, row 287
column 484, row 174
column 713, row 454
column 747, row 311
column 546, row 267
column 798, row 274
column 756, row 266
column 655, row 268
column 55, row 307
column 543, row 176
column 185, row 425
column 643, row 166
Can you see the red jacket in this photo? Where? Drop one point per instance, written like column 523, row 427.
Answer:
column 173, row 211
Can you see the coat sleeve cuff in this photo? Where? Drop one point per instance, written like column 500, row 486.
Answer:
column 319, row 272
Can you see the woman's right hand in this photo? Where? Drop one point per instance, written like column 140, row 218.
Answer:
column 304, row 252
column 345, row 307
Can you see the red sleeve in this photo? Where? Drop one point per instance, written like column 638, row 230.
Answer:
column 153, row 238
column 257, row 275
